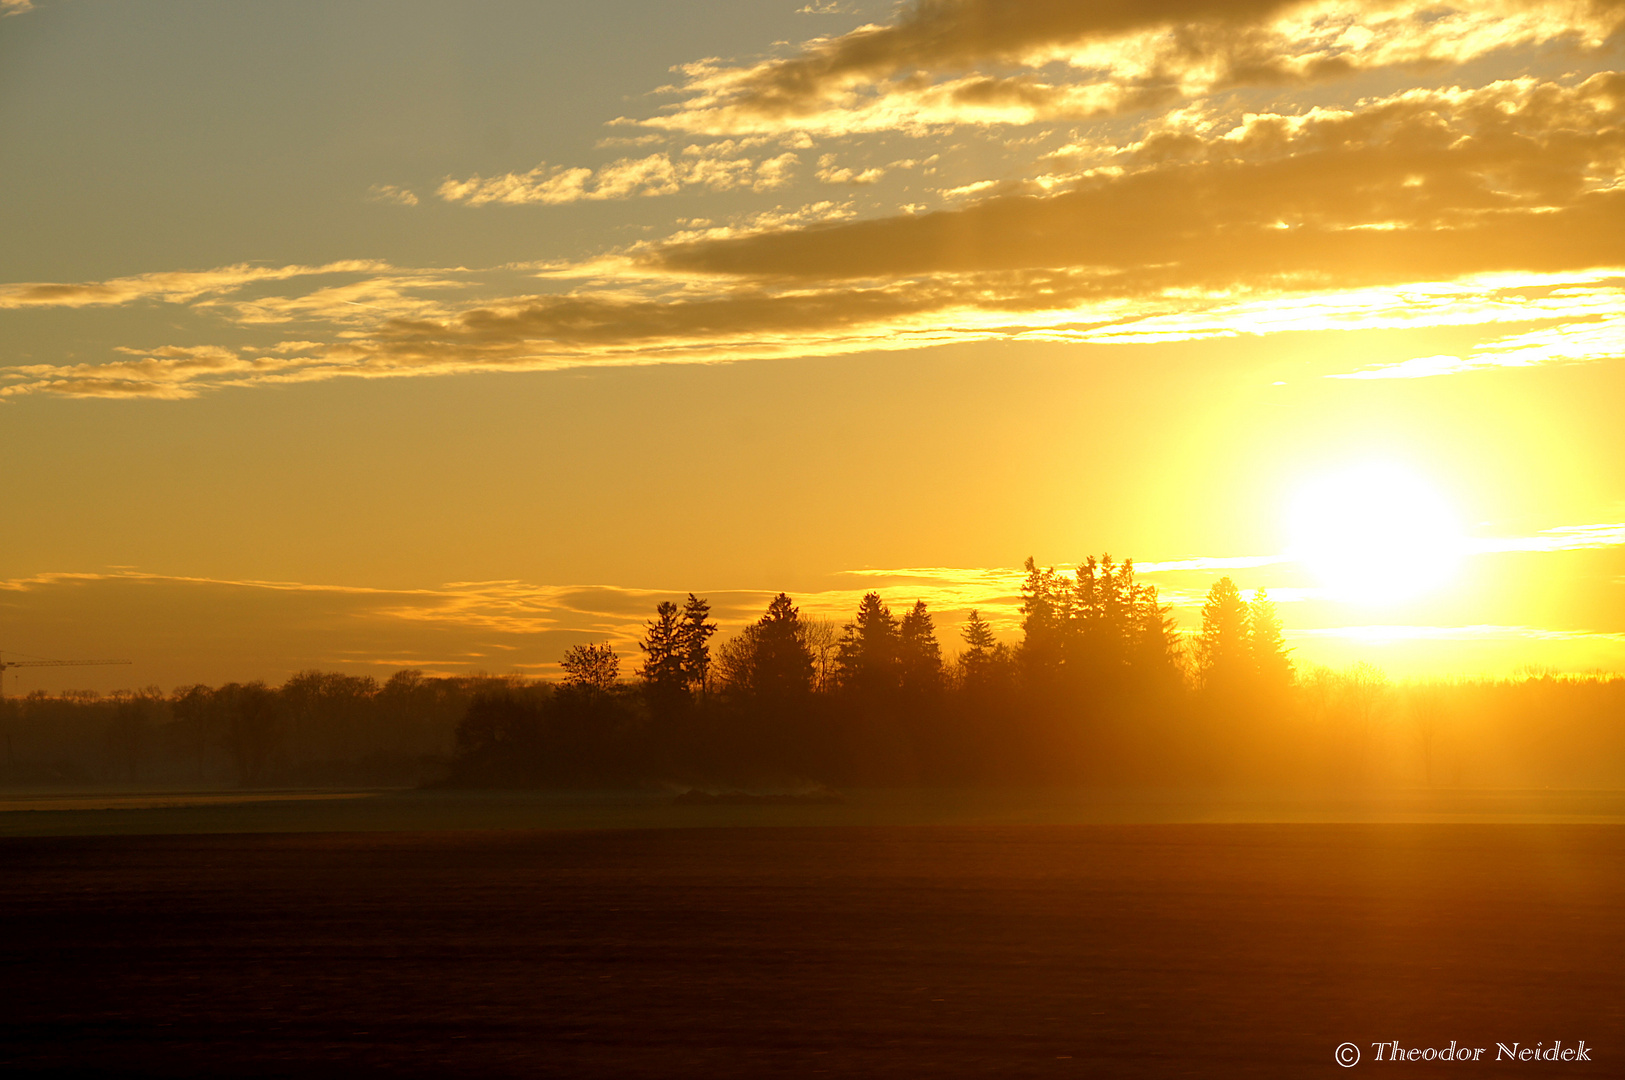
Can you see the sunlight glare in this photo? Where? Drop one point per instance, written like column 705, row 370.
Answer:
column 1375, row 534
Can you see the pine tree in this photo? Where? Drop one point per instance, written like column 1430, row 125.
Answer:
column 1223, row 656
column 1155, row 646
column 781, row 668
column 1045, row 609
column 1104, row 627
column 919, row 657
column 978, row 636
column 867, row 655
column 976, row 662
column 693, row 643
column 662, row 668
column 1271, row 665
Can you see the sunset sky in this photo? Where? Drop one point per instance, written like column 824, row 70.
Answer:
column 364, row 335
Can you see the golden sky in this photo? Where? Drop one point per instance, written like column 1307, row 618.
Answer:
column 370, row 334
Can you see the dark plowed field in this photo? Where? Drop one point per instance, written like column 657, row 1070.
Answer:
column 1133, row 951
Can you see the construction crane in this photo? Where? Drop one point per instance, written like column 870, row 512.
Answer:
column 7, row 665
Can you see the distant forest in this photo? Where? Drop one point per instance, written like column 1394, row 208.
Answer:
column 1101, row 688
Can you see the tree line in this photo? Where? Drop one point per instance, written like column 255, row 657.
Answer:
column 1100, row 687
column 317, row 728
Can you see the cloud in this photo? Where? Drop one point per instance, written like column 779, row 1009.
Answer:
column 1475, row 632
column 1006, row 581
column 831, row 173
column 1563, row 538
column 203, row 627
column 174, row 287
column 1423, row 185
column 1492, row 206
column 712, row 168
column 15, row 7
column 389, row 193
column 617, row 326
column 171, row 373
column 1572, row 342
column 362, row 302
column 513, row 625
column 977, row 61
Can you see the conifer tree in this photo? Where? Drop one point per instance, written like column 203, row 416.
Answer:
column 662, row 668
column 1045, row 609
column 693, row 643
column 781, row 668
column 1271, row 665
column 977, row 634
column 919, row 657
column 1154, row 650
column 1223, row 655
column 982, row 651
column 867, row 656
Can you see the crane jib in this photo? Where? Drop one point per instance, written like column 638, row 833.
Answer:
column 7, row 664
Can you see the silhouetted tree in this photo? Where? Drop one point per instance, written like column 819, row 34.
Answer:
column 1223, row 655
column 591, row 666
column 693, row 643
column 329, row 717
column 1271, row 665
column 664, row 680
column 194, row 713
column 783, row 666
column 768, row 661
column 867, row 656
column 919, row 657
column 254, row 729
column 1045, row 610
column 499, row 739
column 979, row 641
column 136, row 718
column 823, row 640
column 986, row 662
column 1116, row 625
column 1154, row 649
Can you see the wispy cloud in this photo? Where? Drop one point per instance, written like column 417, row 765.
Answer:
column 513, row 625
column 1376, row 634
column 714, row 167
column 1420, row 185
column 173, row 286
column 1006, row 582
column 984, row 62
column 1563, row 538
column 1489, row 206
column 454, row 628
column 1579, row 339
column 390, row 193
column 15, row 7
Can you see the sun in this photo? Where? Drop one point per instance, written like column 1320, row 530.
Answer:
column 1375, row 533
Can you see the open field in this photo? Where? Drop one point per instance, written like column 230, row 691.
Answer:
column 948, row 950
column 123, row 811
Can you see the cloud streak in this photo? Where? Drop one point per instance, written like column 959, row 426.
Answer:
column 1495, row 206
column 173, row 287
column 455, row 628
column 1421, row 185
column 711, row 168
column 946, row 62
